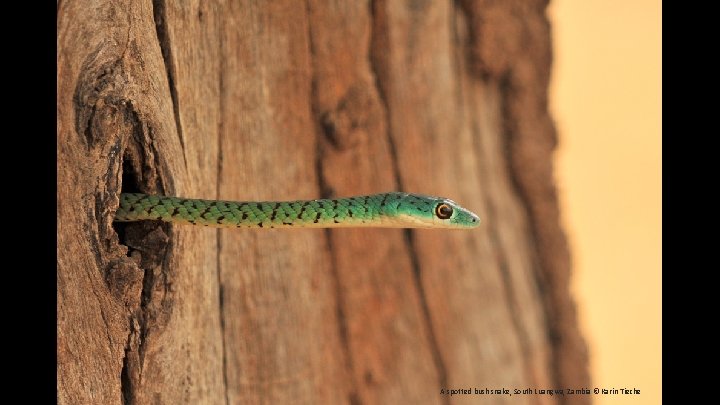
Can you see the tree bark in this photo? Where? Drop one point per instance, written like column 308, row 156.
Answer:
column 247, row 100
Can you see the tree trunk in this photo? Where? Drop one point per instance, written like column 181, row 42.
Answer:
column 248, row 100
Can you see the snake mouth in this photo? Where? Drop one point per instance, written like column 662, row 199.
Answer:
column 466, row 220
column 474, row 220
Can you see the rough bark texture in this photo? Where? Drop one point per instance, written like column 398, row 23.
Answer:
column 291, row 100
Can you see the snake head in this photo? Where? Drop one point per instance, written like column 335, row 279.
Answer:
column 433, row 212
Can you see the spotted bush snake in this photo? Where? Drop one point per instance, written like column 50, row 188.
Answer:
column 386, row 210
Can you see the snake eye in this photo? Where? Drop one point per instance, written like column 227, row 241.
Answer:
column 443, row 211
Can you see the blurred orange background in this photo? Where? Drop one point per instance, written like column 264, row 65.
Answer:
column 606, row 98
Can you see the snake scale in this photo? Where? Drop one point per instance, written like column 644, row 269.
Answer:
column 386, row 210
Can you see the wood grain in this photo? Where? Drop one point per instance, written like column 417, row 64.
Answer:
column 298, row 100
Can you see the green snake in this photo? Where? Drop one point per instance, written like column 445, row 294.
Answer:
column 386, row 210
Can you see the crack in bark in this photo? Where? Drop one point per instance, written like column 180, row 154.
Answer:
column 126, row 392
column 375, row 67
column 160, row 17
column 127, row 380
column 97, row 100
column 327, row 192
column 144, row 161
column 221, row 304
column 221, row 296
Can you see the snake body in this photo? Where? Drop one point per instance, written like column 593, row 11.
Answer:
column 386, row 210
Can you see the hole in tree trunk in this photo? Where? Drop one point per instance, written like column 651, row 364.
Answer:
column 146, row 240
column 129, row 185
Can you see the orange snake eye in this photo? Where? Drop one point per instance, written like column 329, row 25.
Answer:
column 443, row 211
